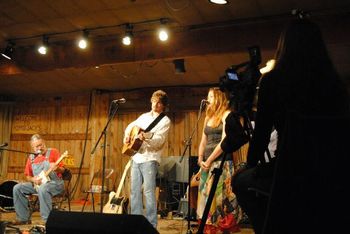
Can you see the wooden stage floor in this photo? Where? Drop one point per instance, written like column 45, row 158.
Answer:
column 173, row 225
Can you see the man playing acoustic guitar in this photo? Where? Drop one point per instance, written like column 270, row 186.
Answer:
column 44, row 160
column 145, row 161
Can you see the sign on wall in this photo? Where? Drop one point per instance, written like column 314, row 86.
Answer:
column 26, row 124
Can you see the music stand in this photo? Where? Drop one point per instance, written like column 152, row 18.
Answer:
column 97, row 175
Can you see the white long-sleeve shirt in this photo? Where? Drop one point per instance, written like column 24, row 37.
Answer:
column 272, row 144
column 151, row 149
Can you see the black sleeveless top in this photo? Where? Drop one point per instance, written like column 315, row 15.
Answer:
column 213, row 139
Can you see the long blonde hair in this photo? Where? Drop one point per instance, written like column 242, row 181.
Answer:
column 217, row 109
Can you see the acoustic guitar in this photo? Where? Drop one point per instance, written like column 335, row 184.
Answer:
column 44, row 175
column 195, row 179
column 117, row 204
column 134, row 144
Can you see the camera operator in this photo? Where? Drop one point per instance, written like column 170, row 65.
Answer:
column 303, row 79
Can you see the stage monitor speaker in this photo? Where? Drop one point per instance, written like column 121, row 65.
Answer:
column 86, row 222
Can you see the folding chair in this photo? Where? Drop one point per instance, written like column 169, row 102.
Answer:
column 57, row 200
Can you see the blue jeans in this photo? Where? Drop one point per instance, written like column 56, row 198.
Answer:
column 45, row 193
column 144, row 173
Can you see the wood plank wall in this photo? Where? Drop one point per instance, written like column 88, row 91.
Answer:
column 72, row 121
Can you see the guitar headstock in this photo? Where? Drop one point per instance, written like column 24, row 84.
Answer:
column 65, row 154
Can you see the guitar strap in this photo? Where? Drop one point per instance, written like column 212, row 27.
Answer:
column 47, row 155
column 155, row 122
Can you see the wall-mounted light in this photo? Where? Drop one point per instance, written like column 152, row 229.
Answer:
column 220, row 2
column 163, row 32
column 83, row 41
column 179, row 66
column 43, row 48
column 127, row 38
column 8, row 51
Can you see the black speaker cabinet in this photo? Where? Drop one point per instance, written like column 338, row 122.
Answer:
column 86, row 222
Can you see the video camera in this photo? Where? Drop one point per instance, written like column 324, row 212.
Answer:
column 241, row 81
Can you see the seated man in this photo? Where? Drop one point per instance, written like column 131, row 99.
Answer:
column 43, row 159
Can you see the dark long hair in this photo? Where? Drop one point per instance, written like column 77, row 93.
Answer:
column 301, row 51
column 304, row 68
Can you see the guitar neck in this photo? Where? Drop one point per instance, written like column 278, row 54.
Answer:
column 122, row 179
column 56, row 163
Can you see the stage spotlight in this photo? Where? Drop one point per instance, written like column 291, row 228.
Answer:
column 8, row 51
column 127, row 39
column 163, row 32
column 83, row 41
column 163, row 35
column 220, row 2
column 179, row 66
column 43, row 48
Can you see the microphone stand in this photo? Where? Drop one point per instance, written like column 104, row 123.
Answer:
column 11, row 150
column 188, row 146
column 104, row 135
column 17, row 151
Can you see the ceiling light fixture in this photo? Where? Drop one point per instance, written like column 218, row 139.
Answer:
column 83, row 41
column 127, row 39
column 8, row 51
column 163, row 32
column 42, row 49
column 220, row 2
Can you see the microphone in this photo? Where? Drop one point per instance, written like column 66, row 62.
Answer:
column 4, row 145
column 120, row 100
column 204, row 101
column 37, row 152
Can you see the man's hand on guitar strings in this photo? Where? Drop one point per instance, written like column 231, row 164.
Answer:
column 148, row 135
column 141, row 136
column 126, row 140
column 37, row 180
column 144, row 136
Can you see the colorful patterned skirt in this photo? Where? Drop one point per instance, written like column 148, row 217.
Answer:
column 224, row 211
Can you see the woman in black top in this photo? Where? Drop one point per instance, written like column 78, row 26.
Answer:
column 303, row 80
column 210, row 155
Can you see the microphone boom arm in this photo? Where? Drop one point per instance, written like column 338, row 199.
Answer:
column 17, row 151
